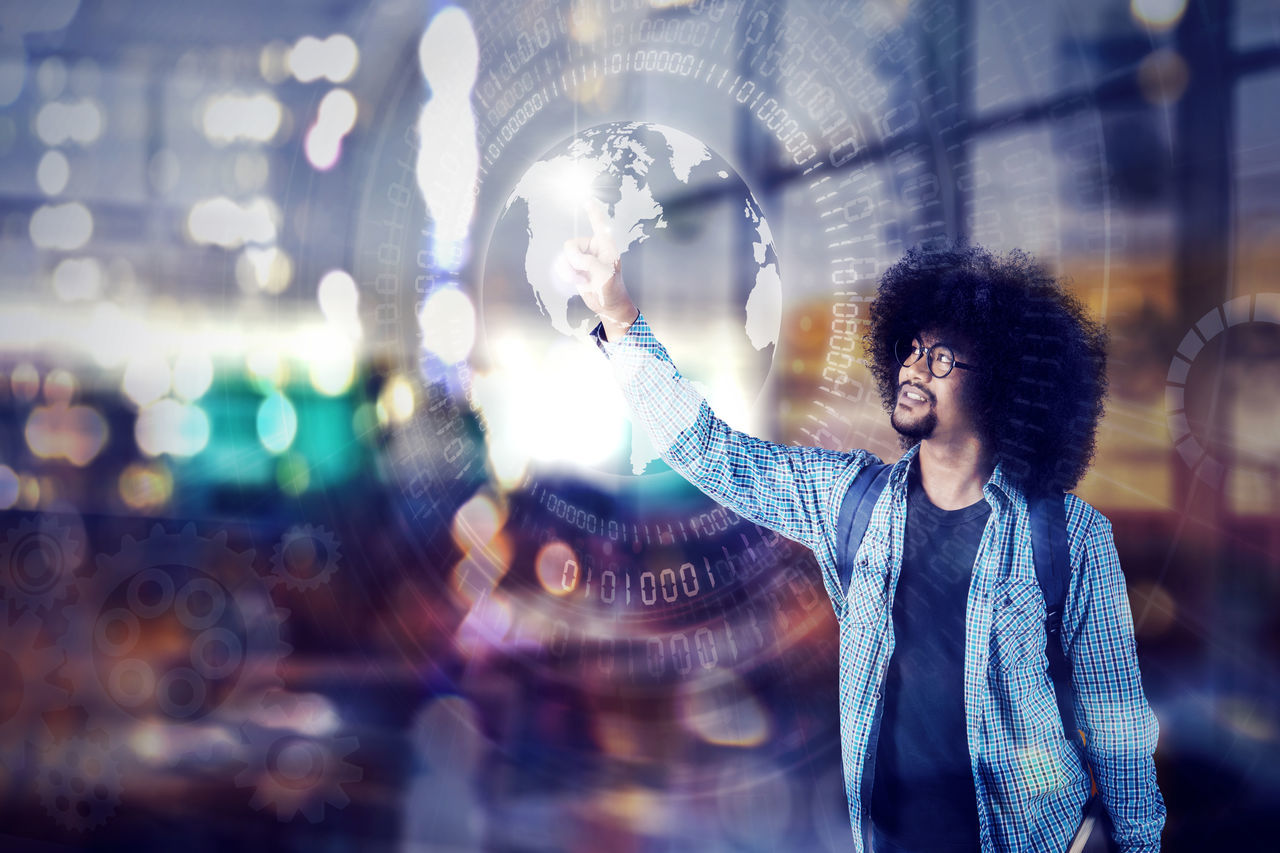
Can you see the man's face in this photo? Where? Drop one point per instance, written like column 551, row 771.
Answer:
column 928, row 406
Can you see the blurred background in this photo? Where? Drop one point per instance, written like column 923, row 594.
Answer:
column 324, row 527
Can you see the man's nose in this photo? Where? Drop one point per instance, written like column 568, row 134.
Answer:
column 919, row 369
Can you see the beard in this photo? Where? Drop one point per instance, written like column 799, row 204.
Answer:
column 917, row 425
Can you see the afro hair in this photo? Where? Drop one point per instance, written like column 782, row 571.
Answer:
column 1038, row 392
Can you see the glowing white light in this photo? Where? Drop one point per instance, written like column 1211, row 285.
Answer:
column 334, row 120
column 169, row 426
column 1158, row 14
column 229, row 118
column 335, row 58
column 192, row 374
column 338, row 296
column 323, row 149
column 338, row 110
column 78, row 121
column 448, row 161
column 53, row 172
column 330, row 360
column 448, row 323
column 147, row 378
column 267, row 367
column 269, row 270
column 549, row 405
column 222, row 222
column 277, row 423
column 112, row 333
column 77, row 278
column 61, row 226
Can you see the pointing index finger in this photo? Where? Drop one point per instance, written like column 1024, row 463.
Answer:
column 598, row 216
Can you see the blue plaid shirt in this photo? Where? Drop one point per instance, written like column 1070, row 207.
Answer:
column 1030, row 780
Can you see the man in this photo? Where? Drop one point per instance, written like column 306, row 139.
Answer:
column 994, row 378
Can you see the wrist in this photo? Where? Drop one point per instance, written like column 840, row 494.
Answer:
column 618, row 322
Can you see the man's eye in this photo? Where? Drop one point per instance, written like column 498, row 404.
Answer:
column 945, row 357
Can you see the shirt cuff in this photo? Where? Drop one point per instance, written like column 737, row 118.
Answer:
column 606, row 345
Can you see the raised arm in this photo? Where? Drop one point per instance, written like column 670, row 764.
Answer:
column 793, row 490
column 1120, row 727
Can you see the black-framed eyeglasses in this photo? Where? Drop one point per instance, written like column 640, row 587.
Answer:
column 940, row 358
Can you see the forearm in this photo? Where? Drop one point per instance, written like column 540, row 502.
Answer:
column 787, row 489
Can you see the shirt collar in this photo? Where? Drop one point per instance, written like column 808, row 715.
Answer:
column 998, row 489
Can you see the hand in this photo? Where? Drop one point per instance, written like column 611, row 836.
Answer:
column 596, row 268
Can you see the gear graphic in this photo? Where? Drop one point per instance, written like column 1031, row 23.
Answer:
column 38, row 560
column 214, row 593
column 295, row 772
column 79, row 783
column 305, row 557
column 24, row 670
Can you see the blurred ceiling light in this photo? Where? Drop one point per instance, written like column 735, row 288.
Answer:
column 1163, row 76
column 51, row 77
column 61, row 226
column 718, row 706
column 236, row 117
column 476, row 522
column 168, row 426
column 330, row 360
column 334, row 120
column 552, row 407
column 8, row 487
column 448, row 323
column 192, row 374
column 557, row 568
column 25, row 382
column 53, row 172
column 76, row 279
column 396, row 401
column 267, row 369
column 112, row 333
column 1158, row 14
column 338, row 296
column 273, row 62
column 334, row 59
column 77, row 121
column 74, row 433
column 277, row 423
column 222, row 222
column 268, row 270
column 59, row 387
column 448, row 160
column 147, row 378
column 13, row 74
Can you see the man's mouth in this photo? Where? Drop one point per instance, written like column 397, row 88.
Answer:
column 912, row 395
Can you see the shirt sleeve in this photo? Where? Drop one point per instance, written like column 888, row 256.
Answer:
column 1119, row 726
column 795, row 491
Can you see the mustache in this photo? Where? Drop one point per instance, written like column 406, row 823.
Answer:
column 925, row 392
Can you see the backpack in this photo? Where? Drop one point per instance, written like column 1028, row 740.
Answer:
column 1053, row 571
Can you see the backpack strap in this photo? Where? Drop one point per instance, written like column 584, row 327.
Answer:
column 855, row 515
column 1053, row 571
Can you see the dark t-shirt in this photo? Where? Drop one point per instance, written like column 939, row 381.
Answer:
column 923, row 797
